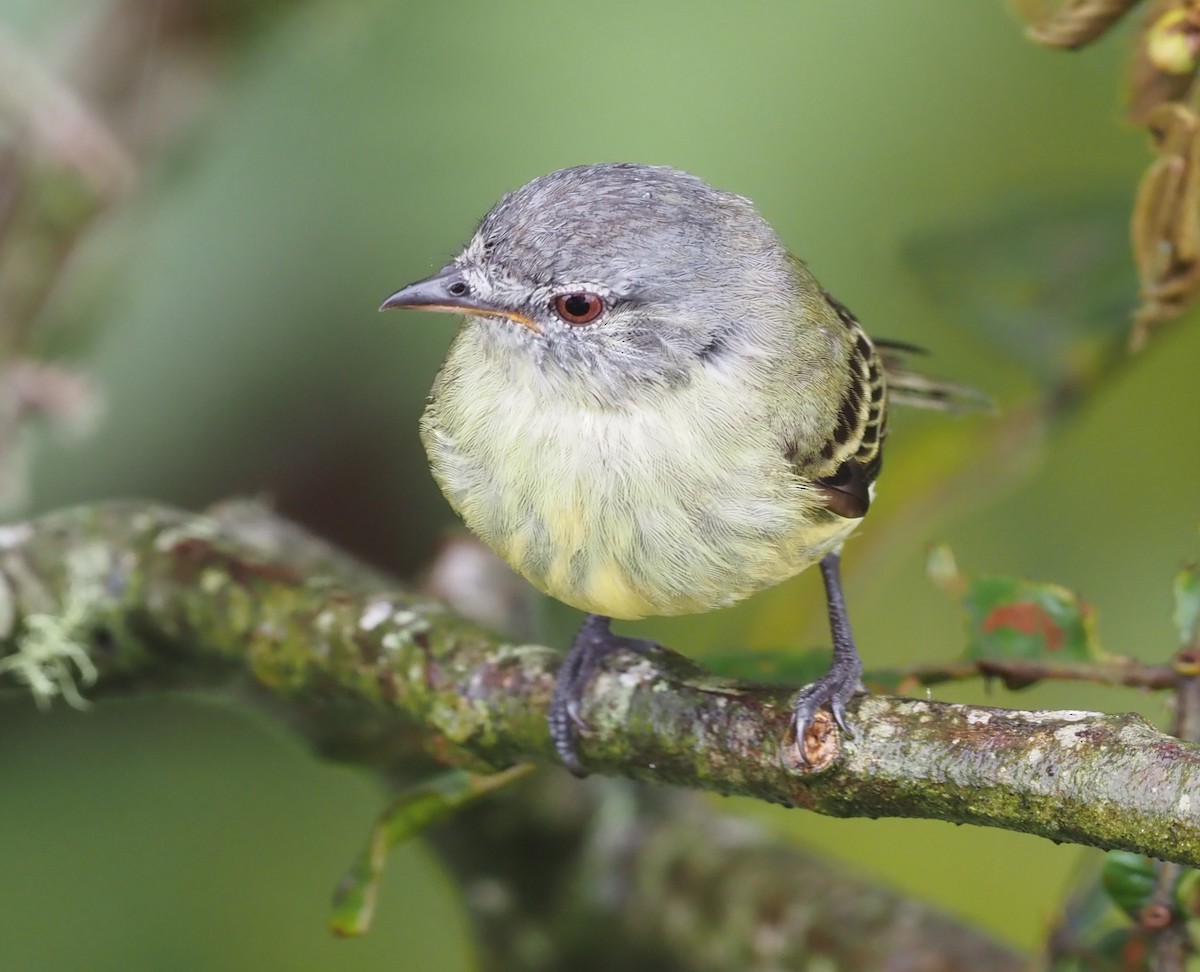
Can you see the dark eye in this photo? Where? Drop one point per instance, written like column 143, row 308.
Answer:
column 581, row 308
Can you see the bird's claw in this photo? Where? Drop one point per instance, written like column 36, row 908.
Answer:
column 574, row 716
column 592, row 645
column 832, row 691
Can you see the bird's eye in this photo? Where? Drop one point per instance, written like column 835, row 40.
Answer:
column 581, row 308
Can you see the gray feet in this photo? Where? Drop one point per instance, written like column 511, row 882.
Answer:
column 843, row 680
column 593, row 643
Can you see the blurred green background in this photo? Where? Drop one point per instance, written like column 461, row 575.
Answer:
column 228, row 313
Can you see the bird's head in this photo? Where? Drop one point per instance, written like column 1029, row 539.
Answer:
column 619, row 274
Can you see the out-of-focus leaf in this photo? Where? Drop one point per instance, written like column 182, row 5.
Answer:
column 1187, row 604
column 1013, row 618
column 791, row 665
column 898, row 681
column 405, row 818
column 1187, row 892
column 1091, row 932
column 1127, row 949
column 1051, row 283
column 1016, row 618
column 1129, row 880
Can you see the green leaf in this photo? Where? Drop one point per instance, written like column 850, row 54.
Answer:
column 1129, row 880
column 1014, row 618
column 773, row 665
column 405, row 818
column 1123, row 948
column 1187, row 604
column 1187, row 892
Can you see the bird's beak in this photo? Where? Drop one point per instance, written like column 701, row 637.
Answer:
column 448, row 291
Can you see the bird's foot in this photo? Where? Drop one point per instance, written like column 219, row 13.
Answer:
column 838, row 685
column 592, row 644
column 832, row 691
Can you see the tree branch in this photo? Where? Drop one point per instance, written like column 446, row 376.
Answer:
column 610, row 875
column 150, row 597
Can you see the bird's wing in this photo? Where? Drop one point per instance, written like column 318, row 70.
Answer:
column 853, row 455
column 879, row 378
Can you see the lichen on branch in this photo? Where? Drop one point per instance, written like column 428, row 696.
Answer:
column 241, row 597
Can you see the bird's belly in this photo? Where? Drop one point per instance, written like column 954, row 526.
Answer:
column 630, row 514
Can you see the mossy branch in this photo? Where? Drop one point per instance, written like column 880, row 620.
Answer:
column 154, row 597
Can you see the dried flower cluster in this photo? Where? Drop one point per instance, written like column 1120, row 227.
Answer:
column 1162, row 98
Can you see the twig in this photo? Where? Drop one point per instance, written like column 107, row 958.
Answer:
column 1170, row 942
column 1018, row 673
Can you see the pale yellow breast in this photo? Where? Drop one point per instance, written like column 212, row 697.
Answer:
column 679, row 505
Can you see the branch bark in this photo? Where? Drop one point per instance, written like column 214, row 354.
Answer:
column 150, row 597
column 611, row 875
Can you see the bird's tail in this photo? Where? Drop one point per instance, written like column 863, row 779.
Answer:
column 907, row 387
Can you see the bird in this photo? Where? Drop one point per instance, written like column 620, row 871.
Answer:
column 652, row 408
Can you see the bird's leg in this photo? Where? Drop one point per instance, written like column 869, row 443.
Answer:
column 592, row 644
column 838, row 685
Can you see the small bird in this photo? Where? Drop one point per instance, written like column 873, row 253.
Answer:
column 652, row 408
